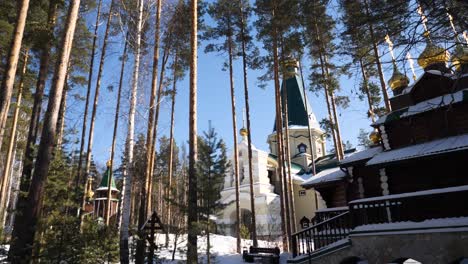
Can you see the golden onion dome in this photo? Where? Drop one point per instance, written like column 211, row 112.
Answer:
column 460, row 56
column 90, row 194
column 374, row 137
column 432, row 54
column 398, row 79
column 243, row 132
column 108, row 163
column 289, row 67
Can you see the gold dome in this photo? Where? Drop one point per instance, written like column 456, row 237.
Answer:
column 90, row 194
column 398, row 79
column 460, row 56
column 432, row 54
column 243, row 132
column 374, row 137
column 108, row 163
column 289, row 67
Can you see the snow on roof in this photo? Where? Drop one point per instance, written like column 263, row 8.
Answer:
column 301, row 178
column 434, row 147
column 427, row 105
column 328, row 175
column 413, row 194
column 431, row 223
column 362, row 155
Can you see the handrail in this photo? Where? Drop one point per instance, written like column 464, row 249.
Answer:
column 321, row 223
column 321, row 234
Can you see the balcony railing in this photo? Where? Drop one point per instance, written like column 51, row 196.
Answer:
column 416, row 206
column 321, row 235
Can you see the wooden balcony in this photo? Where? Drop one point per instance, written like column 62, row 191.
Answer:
column 415, row 206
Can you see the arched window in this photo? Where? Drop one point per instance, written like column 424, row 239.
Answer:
column 302, row 148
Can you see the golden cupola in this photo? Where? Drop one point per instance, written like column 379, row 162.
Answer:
column 432, row 55
column 398, row 81
column 243, row 132
column 289, row 67
column 460, row 57
column 374, row 137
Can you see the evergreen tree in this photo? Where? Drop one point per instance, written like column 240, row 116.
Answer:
column 320, row 34
column 12, row 63
column 24, row 230
column 224, row 13
column 212, row 166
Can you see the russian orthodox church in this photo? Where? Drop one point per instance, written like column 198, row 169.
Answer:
column 264, row 166
column 405, row 197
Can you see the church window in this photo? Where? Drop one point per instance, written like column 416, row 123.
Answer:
column 302, row 148
column 302, row 192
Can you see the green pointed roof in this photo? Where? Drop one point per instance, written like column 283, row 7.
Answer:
column 297, row 113
column 105, row 180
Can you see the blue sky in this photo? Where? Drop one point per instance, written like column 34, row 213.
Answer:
column 213, row 102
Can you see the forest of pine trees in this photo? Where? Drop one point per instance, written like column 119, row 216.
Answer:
column 83, row 82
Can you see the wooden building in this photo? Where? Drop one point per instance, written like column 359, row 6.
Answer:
column 415, row 172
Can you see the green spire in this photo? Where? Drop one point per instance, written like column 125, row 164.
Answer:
column 297, row 113
column 105, row 179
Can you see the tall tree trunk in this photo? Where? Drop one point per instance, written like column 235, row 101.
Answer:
column 93, row 117
column 88, row 95
column 14, row 197
column 249, row 138
column 61, row 116
column 5, row 180
column 25, row 224
column 234, row 133
column 171, row 150
column 11, row 65
column 125, row 213
column 388, row 106
column 279, row 144
column 336, row 127
column 37, row 104
column 192, row 254
column 366, row 88
column 311, row 142
column 159, row 97
column 131, row 119
column 145, row 205
column 328, row 94
column 292, row 209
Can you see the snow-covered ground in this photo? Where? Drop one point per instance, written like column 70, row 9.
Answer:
column 223, row 249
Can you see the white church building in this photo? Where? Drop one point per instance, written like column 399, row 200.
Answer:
column 264, row 165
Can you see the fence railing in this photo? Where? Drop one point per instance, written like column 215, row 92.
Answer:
column 321, row 234
column 417, row 206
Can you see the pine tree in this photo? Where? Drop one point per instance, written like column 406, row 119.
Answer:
column 38, row 95
column 212, row 167
column 95, row 104
column 25, row 224
column 12, row 63
column 224, row 13
column 192, row 254
column 88, row 94
column 324, row 74
column 5, row 181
